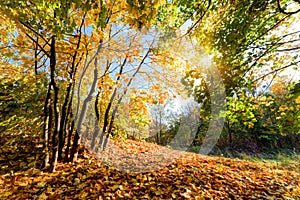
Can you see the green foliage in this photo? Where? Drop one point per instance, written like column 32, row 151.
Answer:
column 240, row 37
column 20, row 105
column 57, row 17
column 240, row 110
column 235, row 33
column 175, row 13
column 295, row 91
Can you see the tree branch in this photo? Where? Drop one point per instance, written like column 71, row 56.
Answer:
column 285, row 12
column 198, row 21
column 35, row 32
column 36, row 42
column 276, row 70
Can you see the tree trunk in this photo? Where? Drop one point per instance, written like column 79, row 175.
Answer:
column 64, row 118
column 70, row 133
column 105, row 142
column 75, row 147
column 55, row 105
column 101, row 141
column 229, row 131
column 97, row 128
column 47, row 125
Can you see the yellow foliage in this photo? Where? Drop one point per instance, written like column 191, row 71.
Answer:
column 298, row 100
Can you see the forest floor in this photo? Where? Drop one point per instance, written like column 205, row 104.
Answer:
column 188, row 176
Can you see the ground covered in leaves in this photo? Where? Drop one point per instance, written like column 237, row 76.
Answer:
column 184, row 176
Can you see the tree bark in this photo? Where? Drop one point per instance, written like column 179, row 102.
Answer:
column 97, row 128
column 75, row 147
column 64, row 116
column 47, row 125
column 70, row 133
column 55, row 105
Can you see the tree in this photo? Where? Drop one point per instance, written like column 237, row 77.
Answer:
column 57, row 38
column 250, row 43
column 242, row 37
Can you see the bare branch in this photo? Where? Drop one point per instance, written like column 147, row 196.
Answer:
column 36, row 42
column 276, row 70
column 35, row 32
column 285, row 12
column 198, row 21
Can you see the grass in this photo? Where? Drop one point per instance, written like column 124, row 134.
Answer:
column 282, row 160
column 278, row 158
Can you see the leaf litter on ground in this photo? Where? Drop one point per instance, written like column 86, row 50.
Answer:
column 169, row 174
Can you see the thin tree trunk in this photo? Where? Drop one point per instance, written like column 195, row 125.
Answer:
column 66, row 109
column 120, row 99
column 36, row 56
column 106, row 140
column 75, row 147
column 97, row 128
column 107, row 124
column 70, row 133
column 229, row 132
column 101, row 141
column 70, row 123
column 69, row 127
column 55, row 105
column 64, row 117
column 47, row 125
